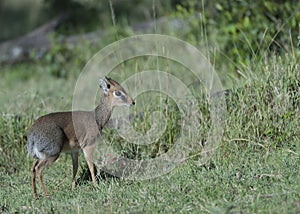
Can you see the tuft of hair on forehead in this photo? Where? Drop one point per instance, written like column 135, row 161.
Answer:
column 114, row 83
column 111, row 81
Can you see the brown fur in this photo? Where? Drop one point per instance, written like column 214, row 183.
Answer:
column 71, row 132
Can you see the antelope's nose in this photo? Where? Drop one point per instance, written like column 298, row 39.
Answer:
column 133, row 103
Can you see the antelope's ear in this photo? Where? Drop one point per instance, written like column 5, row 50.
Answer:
column 104, row 86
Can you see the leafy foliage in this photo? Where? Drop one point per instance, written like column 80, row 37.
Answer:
column 243, row 30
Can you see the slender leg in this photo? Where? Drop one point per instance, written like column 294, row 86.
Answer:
column 40, row 167
column 88, row 153
column 40, row 177
column 33, row 177
column 75, row 167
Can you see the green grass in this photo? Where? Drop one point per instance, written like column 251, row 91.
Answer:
column 254, row 170
column 246, row 181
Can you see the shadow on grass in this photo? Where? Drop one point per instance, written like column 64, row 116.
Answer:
column 85, row 176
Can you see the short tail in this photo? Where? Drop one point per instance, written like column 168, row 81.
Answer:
column 30, row 146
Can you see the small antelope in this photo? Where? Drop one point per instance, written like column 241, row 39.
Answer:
column 71, row 132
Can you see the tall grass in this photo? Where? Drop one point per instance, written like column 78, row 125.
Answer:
column 255, row 169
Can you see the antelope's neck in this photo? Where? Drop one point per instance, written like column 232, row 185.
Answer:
column 103, row 111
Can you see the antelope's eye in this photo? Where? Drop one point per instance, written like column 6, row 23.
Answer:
column 117, row 93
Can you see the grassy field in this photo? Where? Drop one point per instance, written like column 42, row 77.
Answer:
column 254, row 170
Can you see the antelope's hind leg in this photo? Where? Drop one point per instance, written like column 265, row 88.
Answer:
column 40, row 166
column 33, row 173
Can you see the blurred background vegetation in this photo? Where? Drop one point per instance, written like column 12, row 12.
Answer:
column 234, row 33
